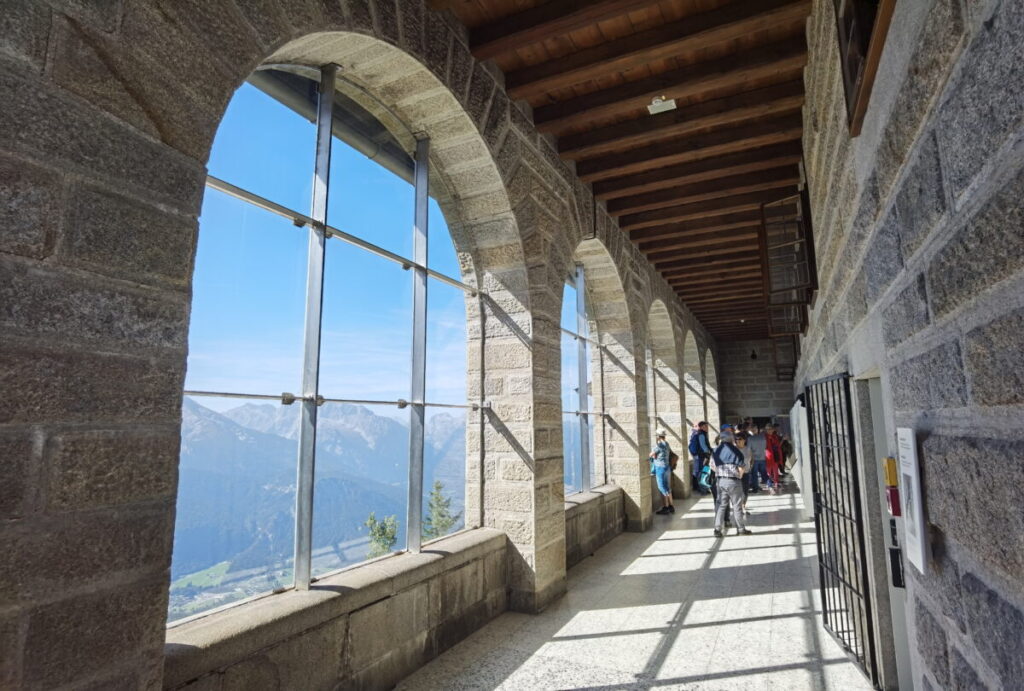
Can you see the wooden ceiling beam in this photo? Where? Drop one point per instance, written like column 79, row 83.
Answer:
column 543, row 22
column 751, row 201
column 716, row 288
column 694, row 147
column 722, row 300
column 711, row 279
column 720, row 222
column 748, row 105
column 664, row 42
column 686, row 242
column 781, row 61
column 661, row 258
column 786, row 176
column 737, row 261
column 774, row 156
column 711, row 271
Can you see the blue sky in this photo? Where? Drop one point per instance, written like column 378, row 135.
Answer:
column 249, row 284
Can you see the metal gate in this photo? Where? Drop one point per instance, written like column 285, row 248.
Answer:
column 838, row 521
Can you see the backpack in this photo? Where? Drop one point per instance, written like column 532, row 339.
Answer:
column 694, row 443
column 705, row 477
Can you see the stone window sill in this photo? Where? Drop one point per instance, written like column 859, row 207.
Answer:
column 209, row 643
column 577, row 502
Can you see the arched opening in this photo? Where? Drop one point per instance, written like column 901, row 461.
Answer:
column 693, row 381
column 711, row 395
column 665, row 393
column 619, row 453
column 580, row 416
column 329, row 302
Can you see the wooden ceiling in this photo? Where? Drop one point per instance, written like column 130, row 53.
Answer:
column 687, row 185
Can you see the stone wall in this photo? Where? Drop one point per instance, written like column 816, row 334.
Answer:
column 750, row 387
column 592, row 519
column 919, row 230
column 365, row 628
column 109, row 113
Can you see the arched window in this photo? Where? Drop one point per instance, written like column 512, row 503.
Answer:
column 324, row 419
column 578, row 412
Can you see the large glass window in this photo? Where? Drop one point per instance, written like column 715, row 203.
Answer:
column 324, row 420
column 579, row 418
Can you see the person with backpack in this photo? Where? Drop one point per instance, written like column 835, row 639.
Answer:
column 700, row 450
column 730, row 465
column 661, row 463
column 773, row 457
column 758, row 447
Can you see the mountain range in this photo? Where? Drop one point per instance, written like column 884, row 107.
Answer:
column 236, row 491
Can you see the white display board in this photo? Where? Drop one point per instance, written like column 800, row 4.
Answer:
column 802, row 450
column 915, row 527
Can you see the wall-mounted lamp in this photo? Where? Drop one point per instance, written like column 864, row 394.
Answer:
column 753, row 354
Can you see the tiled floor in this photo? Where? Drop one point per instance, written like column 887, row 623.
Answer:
column 670, row 608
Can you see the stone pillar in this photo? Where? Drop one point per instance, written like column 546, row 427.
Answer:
column 518, row 488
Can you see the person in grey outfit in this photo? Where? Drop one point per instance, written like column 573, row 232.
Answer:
column 758, row 445
column 729, row 464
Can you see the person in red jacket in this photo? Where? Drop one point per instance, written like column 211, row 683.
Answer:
column 773, row 456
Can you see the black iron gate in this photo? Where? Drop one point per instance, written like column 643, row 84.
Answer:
column 838, row 521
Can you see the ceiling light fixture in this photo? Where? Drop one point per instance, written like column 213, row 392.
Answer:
column 660, row 104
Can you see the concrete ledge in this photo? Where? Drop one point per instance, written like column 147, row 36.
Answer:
column 225, row 638
column 592, row 518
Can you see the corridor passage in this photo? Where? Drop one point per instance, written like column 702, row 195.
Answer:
column 670, row 608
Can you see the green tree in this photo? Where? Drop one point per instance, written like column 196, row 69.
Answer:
column 439, row 519
column 383, row 535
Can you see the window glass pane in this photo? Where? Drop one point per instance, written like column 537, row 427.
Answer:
column 248, row 306
column 569, row 308
column 366, row 344
column 362, row 462
column 266, row 148
column 596, row 468
column 441, row 256
column 369, row 201
column 571, row 436
column 570, row 373
column 446, row 343
column 234, row 535
column 444, row 472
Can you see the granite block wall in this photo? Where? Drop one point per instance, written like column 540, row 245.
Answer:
column 109, row 112
column 919, row 231
column 749, row 386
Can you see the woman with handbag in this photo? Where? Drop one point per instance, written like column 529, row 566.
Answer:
column 661, row 463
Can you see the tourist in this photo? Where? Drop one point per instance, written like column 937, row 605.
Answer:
column 748, row 463
column 661, row 456
column 700, row 450
column 773, row 457
column 729, row 465
column 758, row 447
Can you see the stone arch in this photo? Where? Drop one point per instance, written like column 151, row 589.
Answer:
column 665, row 393
column 616, row 378
column 712, row 397
column 693, row 380
column 464, row 116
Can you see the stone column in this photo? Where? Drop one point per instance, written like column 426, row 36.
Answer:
column 518, row 488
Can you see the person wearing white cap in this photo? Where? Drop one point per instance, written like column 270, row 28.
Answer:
column 729, row 464
column 661, row 460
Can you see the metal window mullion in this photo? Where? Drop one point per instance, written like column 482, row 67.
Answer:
column 413, row 533
column 306, row 464
column 584, row 384
column 302, row 220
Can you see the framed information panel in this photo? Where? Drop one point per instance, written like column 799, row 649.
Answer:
column 915, row 534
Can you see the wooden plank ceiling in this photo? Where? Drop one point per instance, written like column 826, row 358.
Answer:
column 687, row 185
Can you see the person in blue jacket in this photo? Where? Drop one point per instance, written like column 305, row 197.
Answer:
column 700, row 451
column 661, row 461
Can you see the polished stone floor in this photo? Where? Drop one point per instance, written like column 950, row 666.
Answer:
column 671, row 608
